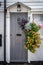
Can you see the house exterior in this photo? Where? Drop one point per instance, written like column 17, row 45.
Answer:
column 28, row 9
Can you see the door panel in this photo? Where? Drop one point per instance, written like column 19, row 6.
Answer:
column 18, row 53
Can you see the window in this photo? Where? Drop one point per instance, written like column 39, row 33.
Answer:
column 38, row 19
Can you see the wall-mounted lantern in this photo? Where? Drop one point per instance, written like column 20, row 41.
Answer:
column 18, row 7
column 0, row 3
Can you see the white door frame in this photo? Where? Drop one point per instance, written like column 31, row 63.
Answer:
column 11, row 9
column 8, row 37
column 8, row 34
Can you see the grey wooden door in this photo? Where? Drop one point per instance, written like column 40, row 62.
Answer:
column 17, row 51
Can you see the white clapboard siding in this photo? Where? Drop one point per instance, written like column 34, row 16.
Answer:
column 38, row 56
column 32, row 4
column 28, row 4
column 31, row 0
column 2, row 6
column 2, row 29
column 1, row 0
column 39, row 53
column 2, row 32
column 25, row 0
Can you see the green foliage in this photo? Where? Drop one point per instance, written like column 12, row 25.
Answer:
column 34, row 27
column 32, row 40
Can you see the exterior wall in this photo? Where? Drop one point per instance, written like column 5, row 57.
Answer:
column 2, row 29
column 38, row 56
column 2, row 5
column 36, row 5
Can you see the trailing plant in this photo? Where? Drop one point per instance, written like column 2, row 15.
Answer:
column 32, row 37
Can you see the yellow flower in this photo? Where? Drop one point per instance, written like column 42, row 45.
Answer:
column 33, row 40
column 33, row 51
column 30, row 44
column 25, row 47
column 27, row 42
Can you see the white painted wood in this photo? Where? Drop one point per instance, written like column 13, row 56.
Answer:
column 2, row 32
column 33, row 6
column 33, row 57
column 2, row 29
column 31, row 18
column 37, row 12
column 1, row 0
column 2, row 7
column 8, row 37
column 38, row 55
column 30, row 0
column 36, row 7
column 29, row 53
column 25, row 0
column 12, row 1
column 28, row 4
column 33, row 3
column 12, row 9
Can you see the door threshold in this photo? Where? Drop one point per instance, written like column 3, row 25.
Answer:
column 16, row 61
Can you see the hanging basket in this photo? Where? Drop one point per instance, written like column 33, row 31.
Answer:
column 32, row 37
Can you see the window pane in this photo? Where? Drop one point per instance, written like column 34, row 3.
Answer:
column 38, row 19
